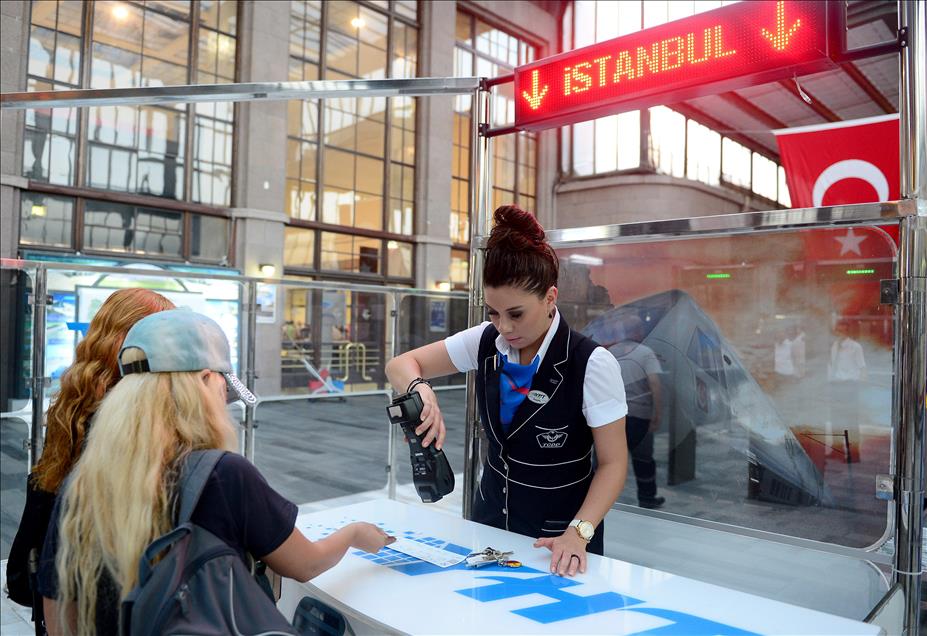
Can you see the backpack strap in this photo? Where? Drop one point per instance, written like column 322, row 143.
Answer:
column 197, row 468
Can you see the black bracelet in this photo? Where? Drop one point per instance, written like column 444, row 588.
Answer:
column 414, row 383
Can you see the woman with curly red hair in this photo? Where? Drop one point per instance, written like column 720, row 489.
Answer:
column 548, row 397
column 94, row 372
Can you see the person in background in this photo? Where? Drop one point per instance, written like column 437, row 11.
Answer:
column 847, row 374
column 177, row 380
column 94, row 372
column 640, row 371
column 549, row 399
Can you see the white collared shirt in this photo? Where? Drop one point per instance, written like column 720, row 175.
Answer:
column 603, row 391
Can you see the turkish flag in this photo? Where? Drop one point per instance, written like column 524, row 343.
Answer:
column 844, row 162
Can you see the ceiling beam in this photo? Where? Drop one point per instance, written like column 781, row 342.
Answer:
column 696, row 114
column 868, row 87
column 752, row 110
column 815, row 104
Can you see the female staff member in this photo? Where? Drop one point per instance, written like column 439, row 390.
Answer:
column 171, row 400
column 548, row 396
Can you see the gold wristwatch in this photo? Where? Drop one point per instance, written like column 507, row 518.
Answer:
column 584, row 529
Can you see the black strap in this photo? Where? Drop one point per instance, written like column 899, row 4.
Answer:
column 414, row 383
column 139, row 366
column 196, row 471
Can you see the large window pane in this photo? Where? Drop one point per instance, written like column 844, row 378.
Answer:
column 765, row 177
column 703, row 162
column 668, row 141
column 209, row 238
column 299, row 247
column 343, row 252
column 116, row 227
column 399, row 259
column 45, row 220
column 735, row 163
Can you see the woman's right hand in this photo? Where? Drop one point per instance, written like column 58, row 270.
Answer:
column 432, row 419
column 370, row 538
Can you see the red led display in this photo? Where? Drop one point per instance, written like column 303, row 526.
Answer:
column 731, row 47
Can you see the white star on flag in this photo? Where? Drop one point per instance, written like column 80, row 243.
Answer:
column 849, row 244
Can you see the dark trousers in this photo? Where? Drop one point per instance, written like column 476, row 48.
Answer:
column 640, row 446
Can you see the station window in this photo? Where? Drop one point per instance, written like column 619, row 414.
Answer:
column 135, row 149
column 46, row 220
column 113, row 226
column 351, row 161
column 486, row 50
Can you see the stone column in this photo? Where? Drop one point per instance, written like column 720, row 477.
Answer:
column 434, row 148
column 260, row 169
column 14, row 51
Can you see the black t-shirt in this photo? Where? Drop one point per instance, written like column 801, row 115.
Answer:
column 237, row 505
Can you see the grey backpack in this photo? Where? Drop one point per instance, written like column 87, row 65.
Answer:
column 200, row 585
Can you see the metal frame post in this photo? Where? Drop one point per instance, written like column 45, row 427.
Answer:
column 480, row 192
column 39, row 303
column 911, row 315
column 910, row 388
column 912, row 105
column 391, row 445
column 250, row 375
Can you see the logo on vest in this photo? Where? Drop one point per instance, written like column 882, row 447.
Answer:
column 538, row 397
column 552, row 439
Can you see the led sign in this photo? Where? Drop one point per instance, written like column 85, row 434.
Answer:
column 734, row 46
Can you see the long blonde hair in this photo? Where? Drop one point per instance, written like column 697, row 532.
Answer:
column 120, row 496
column 93, row 373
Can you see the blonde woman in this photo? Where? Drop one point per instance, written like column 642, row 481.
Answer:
column 171, row 400
column 94, row 372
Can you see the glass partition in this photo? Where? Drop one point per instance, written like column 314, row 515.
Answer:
column 15, row 395
column 427, row 319
column 75, row 295
column 758, row 371
column 330, row 341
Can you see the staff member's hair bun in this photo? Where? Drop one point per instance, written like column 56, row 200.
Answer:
column 513, row 228
column 517, row 253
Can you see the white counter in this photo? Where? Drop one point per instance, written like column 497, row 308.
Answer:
column 390, row 592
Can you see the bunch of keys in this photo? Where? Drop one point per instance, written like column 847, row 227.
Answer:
column 491, row 555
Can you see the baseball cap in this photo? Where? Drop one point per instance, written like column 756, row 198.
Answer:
column 183, row 340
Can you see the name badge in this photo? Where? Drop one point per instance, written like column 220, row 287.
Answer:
column 538, row 397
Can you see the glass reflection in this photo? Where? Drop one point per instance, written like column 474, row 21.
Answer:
column 754, row 408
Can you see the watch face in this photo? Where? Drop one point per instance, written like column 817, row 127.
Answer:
column 586, row 530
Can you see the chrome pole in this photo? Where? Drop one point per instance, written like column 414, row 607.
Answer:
column 391, row 445
column 911, row 316
column 39, row 303
column 480, row 180
column 250, row 375
column 911, row 104
column 911, row 389
column 240, row 92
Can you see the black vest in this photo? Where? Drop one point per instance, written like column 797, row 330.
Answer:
column 536, row 475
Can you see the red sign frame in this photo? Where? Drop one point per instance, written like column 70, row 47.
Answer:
column 732, row 47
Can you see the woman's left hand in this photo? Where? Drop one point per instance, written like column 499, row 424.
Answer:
column 568, row 552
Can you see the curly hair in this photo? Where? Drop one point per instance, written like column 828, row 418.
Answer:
column 94, row 372
column 518, row 254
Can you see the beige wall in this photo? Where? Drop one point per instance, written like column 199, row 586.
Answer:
column 642, row 197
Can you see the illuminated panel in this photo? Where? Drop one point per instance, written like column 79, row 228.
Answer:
column 734, row 46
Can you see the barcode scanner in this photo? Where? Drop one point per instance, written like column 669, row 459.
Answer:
column 431, row 471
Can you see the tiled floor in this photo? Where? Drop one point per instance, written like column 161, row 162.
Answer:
column 15, row 620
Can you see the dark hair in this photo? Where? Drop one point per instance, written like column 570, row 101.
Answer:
column 517, row 254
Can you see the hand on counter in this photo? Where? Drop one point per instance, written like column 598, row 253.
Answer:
column 369, row 538
column 568, row 553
